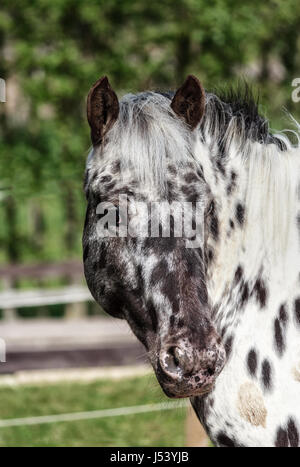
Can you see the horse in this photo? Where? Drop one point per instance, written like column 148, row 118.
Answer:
column 217, row 307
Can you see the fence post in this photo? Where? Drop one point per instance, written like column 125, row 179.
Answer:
column 195, row 435
column 2, row 351
column 9, row 314
column 2, row 90
column 75, row 310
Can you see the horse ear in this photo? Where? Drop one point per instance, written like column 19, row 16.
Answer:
column 189, row 101
column 102, row 109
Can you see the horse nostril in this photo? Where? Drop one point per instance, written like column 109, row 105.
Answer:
column 210, row 371
column 171, row 361
column 176, row 361
column 175, row 353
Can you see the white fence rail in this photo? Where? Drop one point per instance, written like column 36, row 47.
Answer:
column 74, row 296
column 42, row 297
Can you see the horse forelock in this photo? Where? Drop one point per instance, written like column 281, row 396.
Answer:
column 146, row 138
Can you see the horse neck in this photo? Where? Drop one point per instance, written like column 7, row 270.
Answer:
column 255, row 214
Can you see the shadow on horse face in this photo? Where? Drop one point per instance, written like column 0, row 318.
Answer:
column 156, row 283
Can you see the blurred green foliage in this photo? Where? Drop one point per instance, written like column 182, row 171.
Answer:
column 53, row 51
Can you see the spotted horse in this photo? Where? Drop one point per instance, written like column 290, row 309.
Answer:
column 219, row 318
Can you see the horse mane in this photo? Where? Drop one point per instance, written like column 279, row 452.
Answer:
column 234, row 122
column 234, row 110
column 233, row 113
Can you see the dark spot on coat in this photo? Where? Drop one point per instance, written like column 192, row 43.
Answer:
column 214, row 227
column 200, row 173
column 238, row 274
column 297, row 310
column 266, row 375
column 193, row 198
column 186, row 190
column 210, row 256
column 171, row 191
column 278, row 337
column 191, row 178
column 116, row 167
column 214, row 222
column 110, row 186
column 283, row 315
column 228, row 346
column 287, row 436
column 224, row 441
column 260, row 292
column 293, row 433
column 232, row 183
column 221, row 167
column 252, row 362
column 281, row 438
column 105, row 179
column 245, row 294
column 240, row 213
column 172, row 169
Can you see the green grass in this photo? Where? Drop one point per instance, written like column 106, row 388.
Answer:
column 150, row 429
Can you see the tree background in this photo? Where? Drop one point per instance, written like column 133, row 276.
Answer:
column 52, row 51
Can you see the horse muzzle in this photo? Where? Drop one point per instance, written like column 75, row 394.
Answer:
column 185, row 371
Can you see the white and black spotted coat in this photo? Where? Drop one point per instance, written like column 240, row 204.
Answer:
column 247, row 271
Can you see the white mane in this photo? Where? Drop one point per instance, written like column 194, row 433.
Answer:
column 270, row 168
